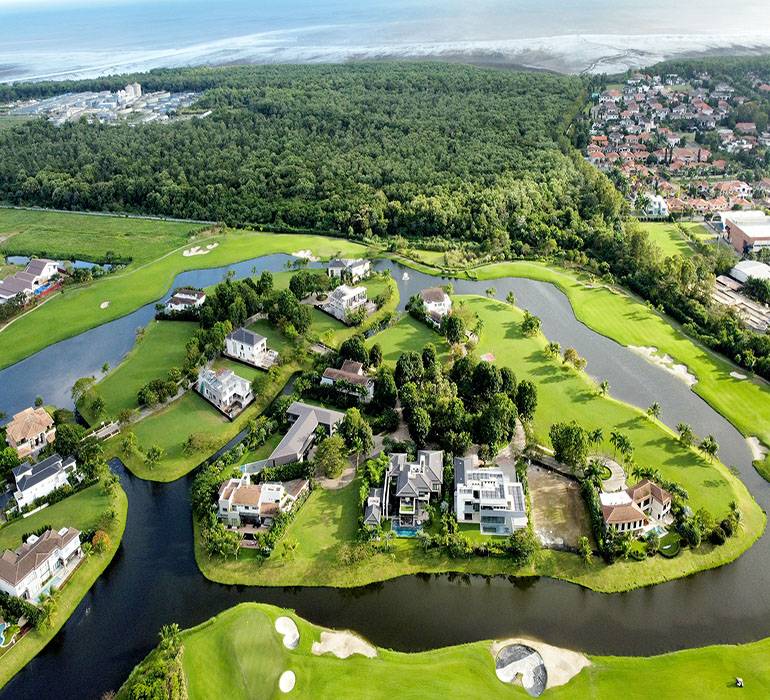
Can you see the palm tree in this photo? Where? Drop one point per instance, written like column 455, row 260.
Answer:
column 654, row 410
column 686, row 435
column 604, row 387
column 595, row 437
column 709, row 446
column 491, row 291
column 511, row 298
column 615, row 439
column 625, row 447
column 593, row 472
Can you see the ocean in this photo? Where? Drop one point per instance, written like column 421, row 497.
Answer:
column 65, row 40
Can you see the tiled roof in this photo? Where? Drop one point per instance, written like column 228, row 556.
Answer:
column 28, row 424
column 15, row 565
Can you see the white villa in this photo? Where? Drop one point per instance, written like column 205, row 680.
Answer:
column 35, row 481
column 489, row 498
column 637, row 509
column 436, row 303
column 40, row 564
column 409, row 486
column 30, row 431
column 42, row 270
column 656, row 206
column 39, row 271
column 345, row 300
column 185, row 300
column 353, row 269
column 225, row 389
column 350, row 375
column 250, row 348
column 243, row 503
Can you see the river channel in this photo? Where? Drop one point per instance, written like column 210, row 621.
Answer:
column 154, row 580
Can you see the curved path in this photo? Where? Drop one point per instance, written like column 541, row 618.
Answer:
column 154, row 579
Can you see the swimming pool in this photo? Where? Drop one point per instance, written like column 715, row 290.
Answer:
column 406, row 531
column 659, row 530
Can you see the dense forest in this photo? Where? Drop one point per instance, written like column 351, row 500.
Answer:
column 365, row 149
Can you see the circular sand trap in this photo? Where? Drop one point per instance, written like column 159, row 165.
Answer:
column 488, row 357
column 286, row 627
column 737, row 375
column 104, row 304
column 518, row 662
column 287, row 681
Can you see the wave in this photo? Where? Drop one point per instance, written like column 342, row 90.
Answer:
column 573, row 53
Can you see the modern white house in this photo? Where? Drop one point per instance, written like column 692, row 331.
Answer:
column 185, row 299
column 489, row 498
column 409, row 487
column 436, row 303
column 35, row 481
column 637, row 509
column 243, row 503
column 30, row 431
column 656, row 206
column 40, row 564
column 250, row 348
column 225, row 389
column 39, row 271
column 345, row 300
column 349, row 268
column 350, row 379
column 42, row 270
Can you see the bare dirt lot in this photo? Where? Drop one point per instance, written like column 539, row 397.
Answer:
column 558, row 512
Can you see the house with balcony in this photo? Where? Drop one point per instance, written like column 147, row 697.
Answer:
column 224, row 389
column 349, row 269
column 30, row 431
column 345, row 300
column 409, row 487
column 40, row 564
column 250, row 348
column 350, row 379
column 489, row 498
column 35, row 481
column 637, row 509
column 242, row 503
column 185, row 299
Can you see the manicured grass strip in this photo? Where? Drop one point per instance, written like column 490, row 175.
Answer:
column 83, row 511
column 65, row 235
column 78, row 310
column 239, row 655
column 668, row 238
column 162, row 348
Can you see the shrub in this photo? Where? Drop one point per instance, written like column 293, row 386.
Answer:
column 717, row 536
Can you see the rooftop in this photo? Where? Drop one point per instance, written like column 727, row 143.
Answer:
column 15, row 565
column 29, row 423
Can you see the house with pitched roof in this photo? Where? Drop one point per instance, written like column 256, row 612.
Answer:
column 30, row 431
column 301, row 435
column 42, row 270
column 373, row 508
column 637, row 509
column 40, row 564
column 409, row 487
column 226, row 390
column 35, row 481
column 345, row 300
column 185, row 299
column 436, row 303
column 250, row 348
column 348, row 268
column 350, row 379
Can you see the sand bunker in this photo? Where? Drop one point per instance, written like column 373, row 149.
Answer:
column 758, row 450
column 197, row 250
column 211, row 246
column 286, row 627
column 488, row 357
column 104, row 304
column 561, row 665
column 665, row 362
column 737, row 375
column 287, row 681
column 342, row 645
column 307, row 254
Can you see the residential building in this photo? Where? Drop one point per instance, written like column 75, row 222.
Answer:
column 349, row 269
column 636, row 509
column 35, row 481
column 747, row 231
column 13, row 286
column 436, row 303
column 30, row 431
column 40, row 564
column 373, row 508
column 225, row 389
column 409, row 487
column 250, row 348
column 301, row 435
column 350, row 379
column 39, row 272
column 42, row 270
column 243, row 503
column 489, row 498
column 185, row 300
column 656, row 206
column 345, row 300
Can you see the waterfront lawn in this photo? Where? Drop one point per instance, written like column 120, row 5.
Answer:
column 79, row 309
column 162, row 348
column 83, row 511
column 617, row 315
column 325, row 529
column 68, row 235
column 238, row 654
column 668, row 238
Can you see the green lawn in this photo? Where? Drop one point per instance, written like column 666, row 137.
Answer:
column 162, row 348
column 408, row 335
column 327, row 523
column 238, row 654
column 698, row 231
column 668, row 238
column 83, row 511
column 79, row 309
column 86, row 237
